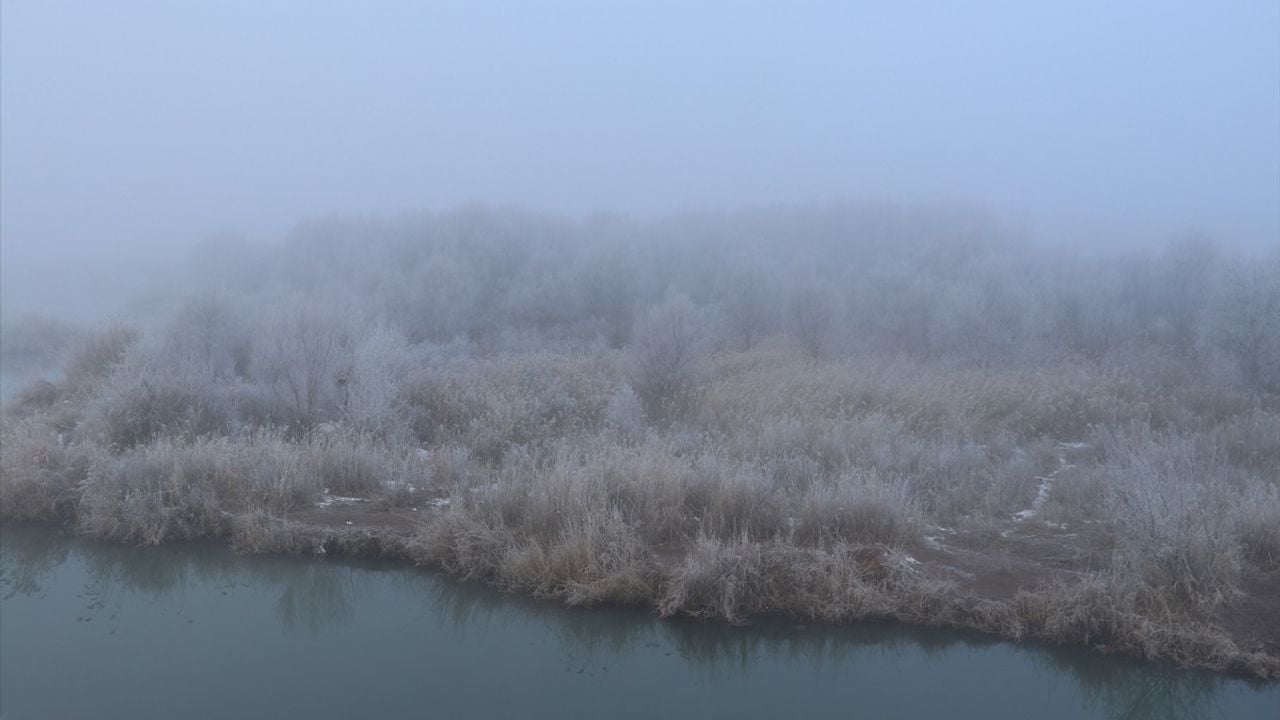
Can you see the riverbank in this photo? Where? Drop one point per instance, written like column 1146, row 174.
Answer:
column 1083, row 503
column 1013, row 598
column 1017, row 589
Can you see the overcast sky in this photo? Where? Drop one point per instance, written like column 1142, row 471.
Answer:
column 141, row 125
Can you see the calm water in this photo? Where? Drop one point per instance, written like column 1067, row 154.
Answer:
column 101, row 631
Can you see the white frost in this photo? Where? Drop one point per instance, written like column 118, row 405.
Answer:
column 328, row 500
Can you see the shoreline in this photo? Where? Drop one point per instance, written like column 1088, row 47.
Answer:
column 897, row 587
column 1080, row 503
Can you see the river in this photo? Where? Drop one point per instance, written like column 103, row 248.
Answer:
column 90, row 630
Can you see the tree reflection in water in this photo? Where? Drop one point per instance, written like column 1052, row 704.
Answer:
column 29, row 556
column 315, row 596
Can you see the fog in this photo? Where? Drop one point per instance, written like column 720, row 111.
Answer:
column 948, row 314
column 132, row 130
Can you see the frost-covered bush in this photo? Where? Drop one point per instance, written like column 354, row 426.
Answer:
column 173, row 489
column 625, row 414
column 305, row 357
column 97, row 354
column 139, row 405
column 666, row 359
column 380, row 361
column 348, row 465
column 40, row 473
column 1246, row 322
column 1175, row 514
column 814, row 312
column 492, row 406
column 210, row 336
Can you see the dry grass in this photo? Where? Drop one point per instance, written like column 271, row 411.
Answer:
column 41, row 477
column 795, row 486
column 1114, row 613
column 97, row 355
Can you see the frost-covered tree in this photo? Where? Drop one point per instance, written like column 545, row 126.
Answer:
column 1188, row 267
column 1246, row 326
column 748, row 306
column 813, row 312
column 207, row 335
column 380, row 360
column 304, row 355
column 665, row 357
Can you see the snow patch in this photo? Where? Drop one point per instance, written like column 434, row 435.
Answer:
column 906, row 562
column 1041, row 496
column 327, row 500
column 935, row 541
column 393, row 485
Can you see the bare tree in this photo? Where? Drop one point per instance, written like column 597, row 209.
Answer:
column 812, row 308
column 206, row 334
column 665, row 357
column 305, row 358
column 746, row 307
column 1188, row 267
column 379, row 360
column 610, row 294
column 1247, row 322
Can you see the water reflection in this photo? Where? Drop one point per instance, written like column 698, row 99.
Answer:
column 1112, row 687
column 28, row 558
column 1129, row 690
column 310, row 595
column 316, row 598
column 313, row 595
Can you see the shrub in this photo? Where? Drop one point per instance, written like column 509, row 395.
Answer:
column 305, row 358
column 353, row 466
column 173, row 489
column 38, row 396
column 860, row 508
column 1259, row 524
column 150, row 496
column 813, row 314
column 139, row 407
column 40, row 474
column 1170, row 510
column 209, row 337
column 95, row 357
column 665, row 360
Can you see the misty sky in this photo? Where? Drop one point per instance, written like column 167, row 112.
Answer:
column 140, row 125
